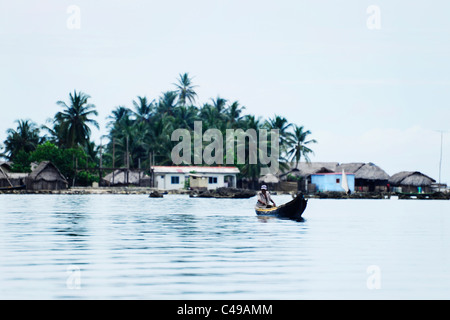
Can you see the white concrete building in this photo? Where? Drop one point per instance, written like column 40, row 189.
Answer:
column 175, row 177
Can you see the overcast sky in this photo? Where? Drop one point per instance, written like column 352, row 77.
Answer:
column 369, row 90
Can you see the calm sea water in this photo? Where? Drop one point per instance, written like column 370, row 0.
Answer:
column 135, row 247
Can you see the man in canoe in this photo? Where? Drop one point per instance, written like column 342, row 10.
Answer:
column 264, row 198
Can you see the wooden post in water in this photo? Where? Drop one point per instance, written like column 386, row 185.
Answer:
column 139, row 171
column 128, row 163
column 101, row 164
column 151, row 160
column 440, row 161
column 150, row 168
column 440, row 158
column 113, row 159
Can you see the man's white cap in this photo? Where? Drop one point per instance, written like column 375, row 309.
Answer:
column 263, row 187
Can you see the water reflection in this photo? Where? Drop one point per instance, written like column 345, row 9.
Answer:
column 185, row 225
column 70, row 224
column 188, row 248
column 265, row 219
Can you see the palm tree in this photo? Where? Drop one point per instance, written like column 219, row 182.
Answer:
column 234, row 114
column 92, row 151
column 57, row 135
column 2, row 155
column 209, row 116
column 24, row 138
column 250, row 171
column 251, row 122
column 120, row 129
column 117, row 114
column 282, row 125
column 143, row 109
column 74, row 119
column 159, row 140
column 185, row 117
column 131, row 138
column 214, row 114
column 219, row 104
column 185, row 90
column 297, row 142
column 166, row 103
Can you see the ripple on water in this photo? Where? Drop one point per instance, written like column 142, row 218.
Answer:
column 133, row 247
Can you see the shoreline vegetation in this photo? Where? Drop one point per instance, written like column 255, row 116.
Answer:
column 228, row 193
column 139, row 137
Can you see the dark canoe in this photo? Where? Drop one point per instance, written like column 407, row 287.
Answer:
column 292, row 210
column 12, row 188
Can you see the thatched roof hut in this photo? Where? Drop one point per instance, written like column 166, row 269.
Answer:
column 12, row 179
column 411, row 178
column 46, row 176
column 368, row 176
column 364, row 171
column 306, row 169
column 125, row 177
column 269, row 178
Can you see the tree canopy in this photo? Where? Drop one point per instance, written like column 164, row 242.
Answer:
column 141, row 134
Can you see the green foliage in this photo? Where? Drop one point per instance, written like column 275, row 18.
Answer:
column 148, row 127
column 138, row 135
column 86, row 178
column 21, row 162
column 187, row 183
column 65, row 160
column 71, row 125
column 24, row 138
column 298, row 144
column 291, row 177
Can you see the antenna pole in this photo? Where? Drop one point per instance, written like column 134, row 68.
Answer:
column 440, row 161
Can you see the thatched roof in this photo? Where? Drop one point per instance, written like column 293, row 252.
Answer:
column 269, row 178
column 350, row 167
column 3, row 174
column 305, row 169
column 47, row 171
column 411, row 178
column 14, row 175
column 120, row 177
column 364, row 171
column 6, row 165
column 367, row 171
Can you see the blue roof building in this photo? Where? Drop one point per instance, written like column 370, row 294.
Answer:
column 332, row 181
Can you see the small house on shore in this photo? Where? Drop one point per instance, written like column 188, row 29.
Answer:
column 306, row 169
column 198, row 182
column 11, row 179
column 177, row 177
column 368, row 176
column 303, row 172
column 332, row 181
column 270, row 180
column 46, row 176
column 411, row 182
